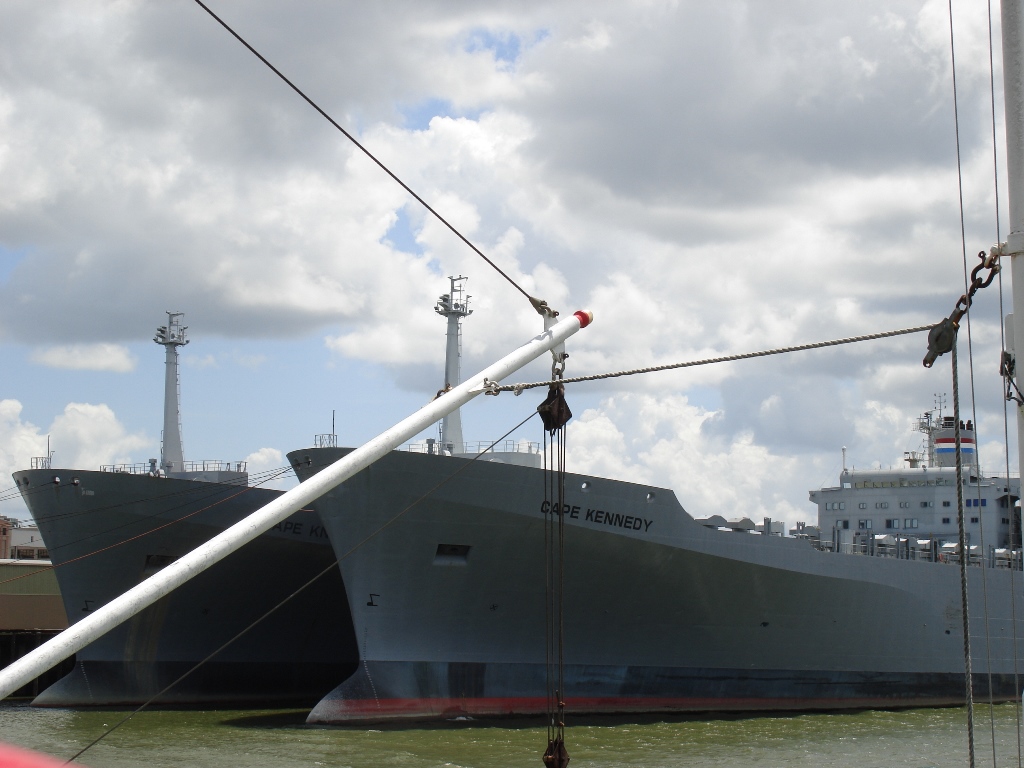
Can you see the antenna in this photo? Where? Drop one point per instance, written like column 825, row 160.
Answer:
column 844, row 458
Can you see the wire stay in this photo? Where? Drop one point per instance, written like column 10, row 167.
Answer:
column 518, row 388
column 539, row 304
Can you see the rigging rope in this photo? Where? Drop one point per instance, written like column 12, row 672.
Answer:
column 518, row 388
column 964, row 557
column 538, row 304
column 555, row 755
column 959, row 458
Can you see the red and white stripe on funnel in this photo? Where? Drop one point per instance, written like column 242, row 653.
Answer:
column 948, row 445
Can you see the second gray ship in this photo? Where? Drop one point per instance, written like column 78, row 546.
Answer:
column 108, row 530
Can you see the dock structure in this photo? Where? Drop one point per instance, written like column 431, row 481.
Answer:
column 31, row 612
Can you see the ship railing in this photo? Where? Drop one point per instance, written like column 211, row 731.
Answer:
column 41, row 462
column 325, row 441
column 208, row 465
column 927, row 550
column 129, row 469
column 507, row 446
column 214, row 465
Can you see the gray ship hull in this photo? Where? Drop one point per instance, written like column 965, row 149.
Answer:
column 112, row 530
column 661, row 614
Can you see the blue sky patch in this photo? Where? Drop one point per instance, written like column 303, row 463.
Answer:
column 418, row 116
column 9, row 261
column 401, row 234
column 505, row 47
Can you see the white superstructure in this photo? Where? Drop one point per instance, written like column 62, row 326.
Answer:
column 918, row 501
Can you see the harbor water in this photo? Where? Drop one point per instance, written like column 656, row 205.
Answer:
column 218, row 739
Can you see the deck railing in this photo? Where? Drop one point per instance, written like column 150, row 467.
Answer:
column 207, row 465
column 507, row 446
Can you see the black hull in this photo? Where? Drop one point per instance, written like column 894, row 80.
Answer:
column 111, row 531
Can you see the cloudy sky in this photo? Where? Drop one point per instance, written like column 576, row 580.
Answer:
column 708, row 178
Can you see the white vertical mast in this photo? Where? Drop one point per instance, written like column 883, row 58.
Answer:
column 1013, row 95
column 454, row 306
column 171, row 337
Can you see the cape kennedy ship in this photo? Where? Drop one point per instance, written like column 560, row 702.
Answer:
column 662, row 612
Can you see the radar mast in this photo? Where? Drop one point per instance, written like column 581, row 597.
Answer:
column 454, row 306
column 172, row 336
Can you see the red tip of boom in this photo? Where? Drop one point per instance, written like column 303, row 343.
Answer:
column 585, row 317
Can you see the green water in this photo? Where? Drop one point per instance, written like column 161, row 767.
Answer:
column 915, row 738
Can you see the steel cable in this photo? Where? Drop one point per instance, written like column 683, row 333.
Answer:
column 517, row 388
column 965, row 555
column 535, row 302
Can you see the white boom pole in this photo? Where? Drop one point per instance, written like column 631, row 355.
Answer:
column 1012, row 21
column 103, row 619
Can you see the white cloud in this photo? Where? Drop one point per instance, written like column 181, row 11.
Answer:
column 661, row 441
column 86, row 357
column 19, row 442
column 84, row 436
column 269, row 469
column 198, row 361
column 708, row 177
column 87, row 436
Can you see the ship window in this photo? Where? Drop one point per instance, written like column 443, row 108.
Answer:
column 984, row 502
column 910, row 522
column 863, row 505
column 945, row 521
column 904, row 504
column 864, row 524
column 1006, row 521
column 974, row 519
column 846, row 485
column 945, row 503
column 881, row 505
column 451, row 554
column 844, row 524
column 892, row 523
column 842, row 505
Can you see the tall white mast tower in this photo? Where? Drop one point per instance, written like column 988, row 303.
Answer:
column 454, row 306
column 1013, row 95
column 172, row 336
